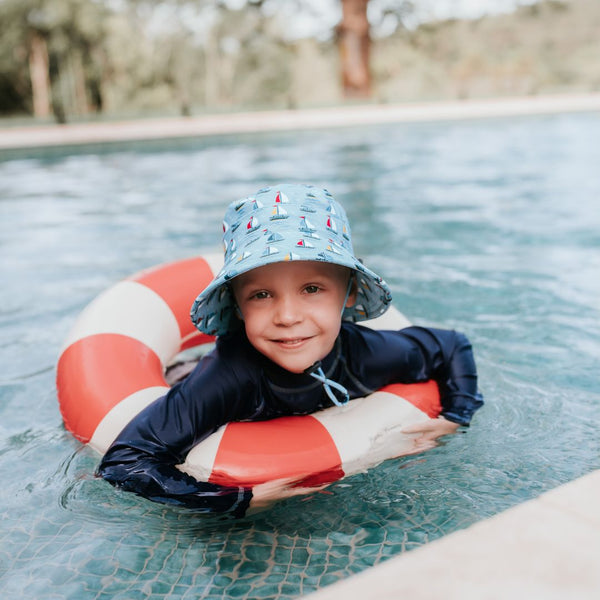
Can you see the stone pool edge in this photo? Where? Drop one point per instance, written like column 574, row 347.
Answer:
column 49, row 135
column 543, row 549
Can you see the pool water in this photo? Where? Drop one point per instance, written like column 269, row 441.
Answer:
column 490, row 227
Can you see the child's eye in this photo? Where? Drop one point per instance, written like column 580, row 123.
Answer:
column 311, row 289
column 260, row 295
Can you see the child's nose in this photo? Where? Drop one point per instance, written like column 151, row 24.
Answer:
column 287, row 311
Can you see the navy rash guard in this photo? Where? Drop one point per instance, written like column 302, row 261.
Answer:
column 237, row 383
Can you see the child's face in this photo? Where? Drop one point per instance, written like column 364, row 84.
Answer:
column 292, row 310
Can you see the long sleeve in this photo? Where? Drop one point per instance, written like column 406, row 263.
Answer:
column 448, row 356
column 236, row 383
column 417, row 354
column 144, row 456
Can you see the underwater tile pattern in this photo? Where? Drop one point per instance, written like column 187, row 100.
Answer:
column 98, row 543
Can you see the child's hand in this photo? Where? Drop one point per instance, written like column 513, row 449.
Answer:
column 430, row 431
column 264, row 494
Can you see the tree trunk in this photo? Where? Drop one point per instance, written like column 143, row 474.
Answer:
column 80, row 99
column 39, row 75
column 211, row 62
column 354, row 45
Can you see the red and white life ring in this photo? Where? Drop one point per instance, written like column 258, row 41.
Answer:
column 113, row 365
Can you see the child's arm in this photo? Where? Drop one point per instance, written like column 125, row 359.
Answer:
column 134, row 471
column 448, row 358
column 430, row 431
column 143, row 460
column 418, row 354
column 144, row 457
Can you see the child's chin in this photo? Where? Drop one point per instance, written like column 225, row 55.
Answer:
column 295, row 370
column 294, row 367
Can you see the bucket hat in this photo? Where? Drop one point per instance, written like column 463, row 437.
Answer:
column 286, row 222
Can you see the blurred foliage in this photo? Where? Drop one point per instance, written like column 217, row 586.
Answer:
column 68, row 59
column 549, row 47
column 64, row 37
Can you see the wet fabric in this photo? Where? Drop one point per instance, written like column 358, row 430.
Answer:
column 237, row 383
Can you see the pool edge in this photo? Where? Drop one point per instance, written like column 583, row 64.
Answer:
column 50, row 135
column 546, row 548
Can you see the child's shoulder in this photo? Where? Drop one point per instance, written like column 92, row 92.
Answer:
column 232, row 363
column 234, row 348
column 358, row 336
column 361, row 330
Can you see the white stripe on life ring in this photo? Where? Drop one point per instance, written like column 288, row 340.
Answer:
column 201, row 458
column 368, row 430
column 131, row 309
column 121, row 414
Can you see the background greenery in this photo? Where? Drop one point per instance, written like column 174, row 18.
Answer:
column 136, row 57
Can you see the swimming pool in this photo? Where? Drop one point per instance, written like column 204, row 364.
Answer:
column 491, row 227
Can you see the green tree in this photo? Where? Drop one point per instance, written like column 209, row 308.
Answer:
column 53, row 50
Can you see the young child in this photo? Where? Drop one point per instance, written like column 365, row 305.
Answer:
column 284, row 308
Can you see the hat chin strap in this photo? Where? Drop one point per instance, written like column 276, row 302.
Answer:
column 317, row 372
column 348, row 290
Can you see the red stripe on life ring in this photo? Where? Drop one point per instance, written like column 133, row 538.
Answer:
column 425, row 396
column 287, row 446
column 95, row 373
column 178, row 284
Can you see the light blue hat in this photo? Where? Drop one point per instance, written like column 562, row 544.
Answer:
column 285, row 223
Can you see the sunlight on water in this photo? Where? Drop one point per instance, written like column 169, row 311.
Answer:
column 492, row 228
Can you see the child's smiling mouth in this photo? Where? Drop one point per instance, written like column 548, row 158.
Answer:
column 291, row 342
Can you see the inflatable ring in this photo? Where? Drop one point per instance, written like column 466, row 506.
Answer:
column 113, row 365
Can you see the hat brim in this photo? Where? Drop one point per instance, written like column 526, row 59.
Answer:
column 214, row 310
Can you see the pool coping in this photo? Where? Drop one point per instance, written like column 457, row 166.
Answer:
column 543, row 549
column 97, row 132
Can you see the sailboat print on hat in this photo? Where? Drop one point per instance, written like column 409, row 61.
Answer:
column 230, row 248
column 330, row 224
column 332, row 248
column 304, row 244
column 281, row 197
column 331, row 209
column 243, row 256
column 256, row 204
column 365, row 284
column 209, row 319
column 360, row 309
column 252, row 225
column 291, row 256
column 274, row 236
column 269, row 251
column 240, row 204
column 278, row 213
column 306, row 225
column 310, row 234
